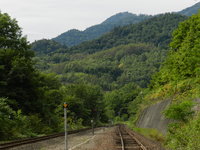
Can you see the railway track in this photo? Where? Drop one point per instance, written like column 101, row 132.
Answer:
column 36, row 139
column 127, row 141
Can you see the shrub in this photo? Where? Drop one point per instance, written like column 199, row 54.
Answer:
column 180, row 111
column 186, row 136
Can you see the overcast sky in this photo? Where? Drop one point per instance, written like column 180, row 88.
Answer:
column 49, row 18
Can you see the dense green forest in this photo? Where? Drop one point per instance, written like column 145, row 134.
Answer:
column 45, row 46
column 115, row 67
column 75, row 37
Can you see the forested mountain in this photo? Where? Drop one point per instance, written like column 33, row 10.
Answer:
column 156, row 30
column 78, row 65
column 74, row 37
column 190, row 10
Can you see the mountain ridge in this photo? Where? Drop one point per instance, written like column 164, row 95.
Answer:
column 74, row 37
column 190, row 10
column 156, row 30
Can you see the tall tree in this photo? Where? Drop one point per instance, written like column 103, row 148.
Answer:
column 17, row 74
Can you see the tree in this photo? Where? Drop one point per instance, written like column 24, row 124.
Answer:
column 183, row 59
column 85, row 102
column 6, row 123
column 17, row 74
column 24, row 90
column 11, row 34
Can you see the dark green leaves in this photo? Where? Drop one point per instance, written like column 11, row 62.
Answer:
column 183, row 60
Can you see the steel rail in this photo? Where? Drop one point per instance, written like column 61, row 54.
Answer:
column 138, row 142
column 121, row 138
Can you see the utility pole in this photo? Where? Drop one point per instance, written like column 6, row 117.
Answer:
column 65, row 115
column 92, row 121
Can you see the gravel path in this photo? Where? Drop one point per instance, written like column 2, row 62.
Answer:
column 102, row 141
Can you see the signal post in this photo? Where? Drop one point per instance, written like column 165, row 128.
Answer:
column 65, row 116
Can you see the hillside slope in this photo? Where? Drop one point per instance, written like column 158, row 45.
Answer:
column 114, row 67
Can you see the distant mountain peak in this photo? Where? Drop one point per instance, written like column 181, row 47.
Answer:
column 122, row 17
column 73, row 30
column 190, row 10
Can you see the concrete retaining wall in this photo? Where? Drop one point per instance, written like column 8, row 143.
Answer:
column 152, row 117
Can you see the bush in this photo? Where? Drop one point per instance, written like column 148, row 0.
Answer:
column 6, row 122
column 180, row 111
column 185, row 136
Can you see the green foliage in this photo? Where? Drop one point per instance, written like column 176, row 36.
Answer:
column 178, row 79
column 85, row 102
column 120, row 71
column 17, row 73
column 45, row 46
column 180, row 111
column 134, row 106
column 6, row 123
column 115, row 67
column 27, row 90
column 117, row 102
column 184, row 136
column 183, row 60
column 151, row 134
column 10, row 34
column 16, row 125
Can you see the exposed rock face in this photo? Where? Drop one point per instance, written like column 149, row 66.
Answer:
column 152, row 117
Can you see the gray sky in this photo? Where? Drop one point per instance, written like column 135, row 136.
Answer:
column 49, row 18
